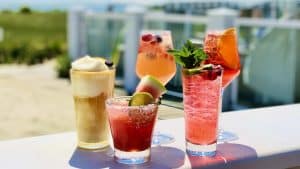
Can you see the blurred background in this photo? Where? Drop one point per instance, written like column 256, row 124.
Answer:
column 39, row 39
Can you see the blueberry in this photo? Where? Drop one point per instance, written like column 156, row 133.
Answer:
column 158, row 38
column 109, row 63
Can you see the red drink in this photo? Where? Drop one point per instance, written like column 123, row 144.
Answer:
column 202, row 100
column 131, row 127
column 222, row 49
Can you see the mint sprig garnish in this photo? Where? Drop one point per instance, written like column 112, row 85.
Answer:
column 189, row 56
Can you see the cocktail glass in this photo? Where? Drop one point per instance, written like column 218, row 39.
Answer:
column 202, row 103
column 222, row 49
column 131, row 129
column 153, row 59
column 90, row 90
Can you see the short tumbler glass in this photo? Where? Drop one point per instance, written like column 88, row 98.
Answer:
column 202, row 103
column 131, row 129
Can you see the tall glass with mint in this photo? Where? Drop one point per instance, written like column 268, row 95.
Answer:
column 202, row 85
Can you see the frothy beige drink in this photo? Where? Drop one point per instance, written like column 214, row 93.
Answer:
column 92, row 83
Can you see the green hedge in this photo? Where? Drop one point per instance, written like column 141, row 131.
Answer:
column 63, row 65
column 30, row 53
column 32, row 38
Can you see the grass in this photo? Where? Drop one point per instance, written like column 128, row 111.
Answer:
column 33, row 37
column 37, row 27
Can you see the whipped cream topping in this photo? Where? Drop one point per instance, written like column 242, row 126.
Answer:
column 88, row 63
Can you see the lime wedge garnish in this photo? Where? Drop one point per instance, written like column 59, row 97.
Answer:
column 141, row 98
column 198, row 69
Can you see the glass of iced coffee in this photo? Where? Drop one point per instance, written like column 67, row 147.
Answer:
column 92, row 83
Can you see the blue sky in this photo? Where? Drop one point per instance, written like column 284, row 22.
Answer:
column 48, row 4
column 63, row 4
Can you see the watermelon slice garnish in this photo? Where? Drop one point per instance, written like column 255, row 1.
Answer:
column 151, row 85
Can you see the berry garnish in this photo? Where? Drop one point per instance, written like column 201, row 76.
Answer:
column 209, row 71
column 153, row 42
column 147, row 37
column 219, row 72
column 212, row 73
column 109, row 63
column 158, row 38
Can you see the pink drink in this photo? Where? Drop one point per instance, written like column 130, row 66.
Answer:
column 202, row 100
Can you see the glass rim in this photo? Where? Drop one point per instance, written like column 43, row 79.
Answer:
column 93, row 72
column 111, row 101
column 190, row 71
column 154, row 31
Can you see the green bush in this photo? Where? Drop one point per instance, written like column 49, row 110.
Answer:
column 25, row 10
column 63, row 65
column 35, row 55
column 6, row 11
column 3, row 55
column 34, row 38
column 39, row 53
column 29, row 53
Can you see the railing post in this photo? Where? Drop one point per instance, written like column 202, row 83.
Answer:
column 76, row 33
column 219, row 19
column 134, row 25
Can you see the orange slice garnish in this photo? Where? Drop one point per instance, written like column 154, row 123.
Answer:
column 222, row 48
column 228, row 48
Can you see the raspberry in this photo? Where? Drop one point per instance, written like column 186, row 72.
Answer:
column 147, row 37
column 213, row 73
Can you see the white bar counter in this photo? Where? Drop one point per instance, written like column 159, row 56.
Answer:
column 268, row 138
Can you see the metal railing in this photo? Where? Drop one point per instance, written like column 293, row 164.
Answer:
column 271, row 23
